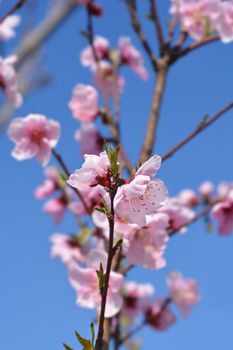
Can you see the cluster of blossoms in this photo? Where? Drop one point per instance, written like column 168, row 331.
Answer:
column 201, row 18
column 8, row 80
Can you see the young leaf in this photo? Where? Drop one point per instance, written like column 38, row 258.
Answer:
column 67, row 347
column 92, row 335
column 84, row 342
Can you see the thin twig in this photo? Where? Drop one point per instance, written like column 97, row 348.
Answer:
column 67, row 172
column 177, row 54
column 14, row 8
column 101, row 341
column 202, row 126
column 156, row 19
column 138, row 29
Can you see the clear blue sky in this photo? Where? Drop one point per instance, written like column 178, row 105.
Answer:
column 37, row 304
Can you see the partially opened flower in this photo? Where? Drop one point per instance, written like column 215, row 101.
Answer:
column 141, row 196
column 50, row 184
column 225, row 24
column 66, row 248
column 7, row 27
column 101, row 47
column 184, row 292
column 132, row 57
column 34, row 136
column 85, row 281
column 223, row 213
column 94, row 171
column 56, row 207
column 84, row 103
column 8, row 80
column 89, row 139
column 159, row 315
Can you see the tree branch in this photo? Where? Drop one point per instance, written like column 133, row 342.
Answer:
column 141, row 36
column 158, row 27
column 157, row 98
column 14, row 8
column 201, row 127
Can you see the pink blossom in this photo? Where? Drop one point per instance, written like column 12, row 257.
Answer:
column 136, row 298
column 50, row 184
column 179, row 215
column 67, row 248
column 84, row 103
column 159, row 316
column 146, row 246
column 225, row 24
column 141, row 196
column 92, row 199
column 8, row 81
column 86, row 283
column 7, row 27
column 198, row 17
column 223, row 212
column 206, row 189
column 184, row 292
column 132, row 57
column 56, row 207
column 94, row 169
column 224, row 189
column 34, row 136
column 101, row 47
column 107, row 79
column 89, row 138
column 188, row 198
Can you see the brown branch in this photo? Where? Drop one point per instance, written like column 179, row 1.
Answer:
column 177, row 54
column 156, row 19
column 103, row 336
column 202, row 126
column 157, row 98
column 141, row 36
column 67, row 172
column 14, row 8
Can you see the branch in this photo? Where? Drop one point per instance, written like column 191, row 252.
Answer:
column 177, row 54
column 202, row 126
column 101, row 336
column 66, row 171
column 156, row 19
column 141, row 36
column 150, row 136
column 14, row 8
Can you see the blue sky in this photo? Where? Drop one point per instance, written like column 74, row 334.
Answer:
column 37, row 303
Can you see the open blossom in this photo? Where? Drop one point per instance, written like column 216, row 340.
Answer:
column 179, row 215
column 56, row 207
column 8, row 81
column 198, row 17
column 7, row 27
column 132, row 57
column 34, row 136
column 50, row 184
column 101, row 47
column 108, row 79
column 141, row 196
column 89, row 139
column 223, row 212
column 84, row 103
column 136, row 298
column 85, row 281
column 225, row 24
column 94, row 169
column 146, row 245
column 184, row 292
column 159, row 316
column 66, row 248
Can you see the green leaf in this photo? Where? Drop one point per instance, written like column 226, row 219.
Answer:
column 92, row 335
column 118, row 245
column 67, row 347
column 101, row 276
column 84, row 342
